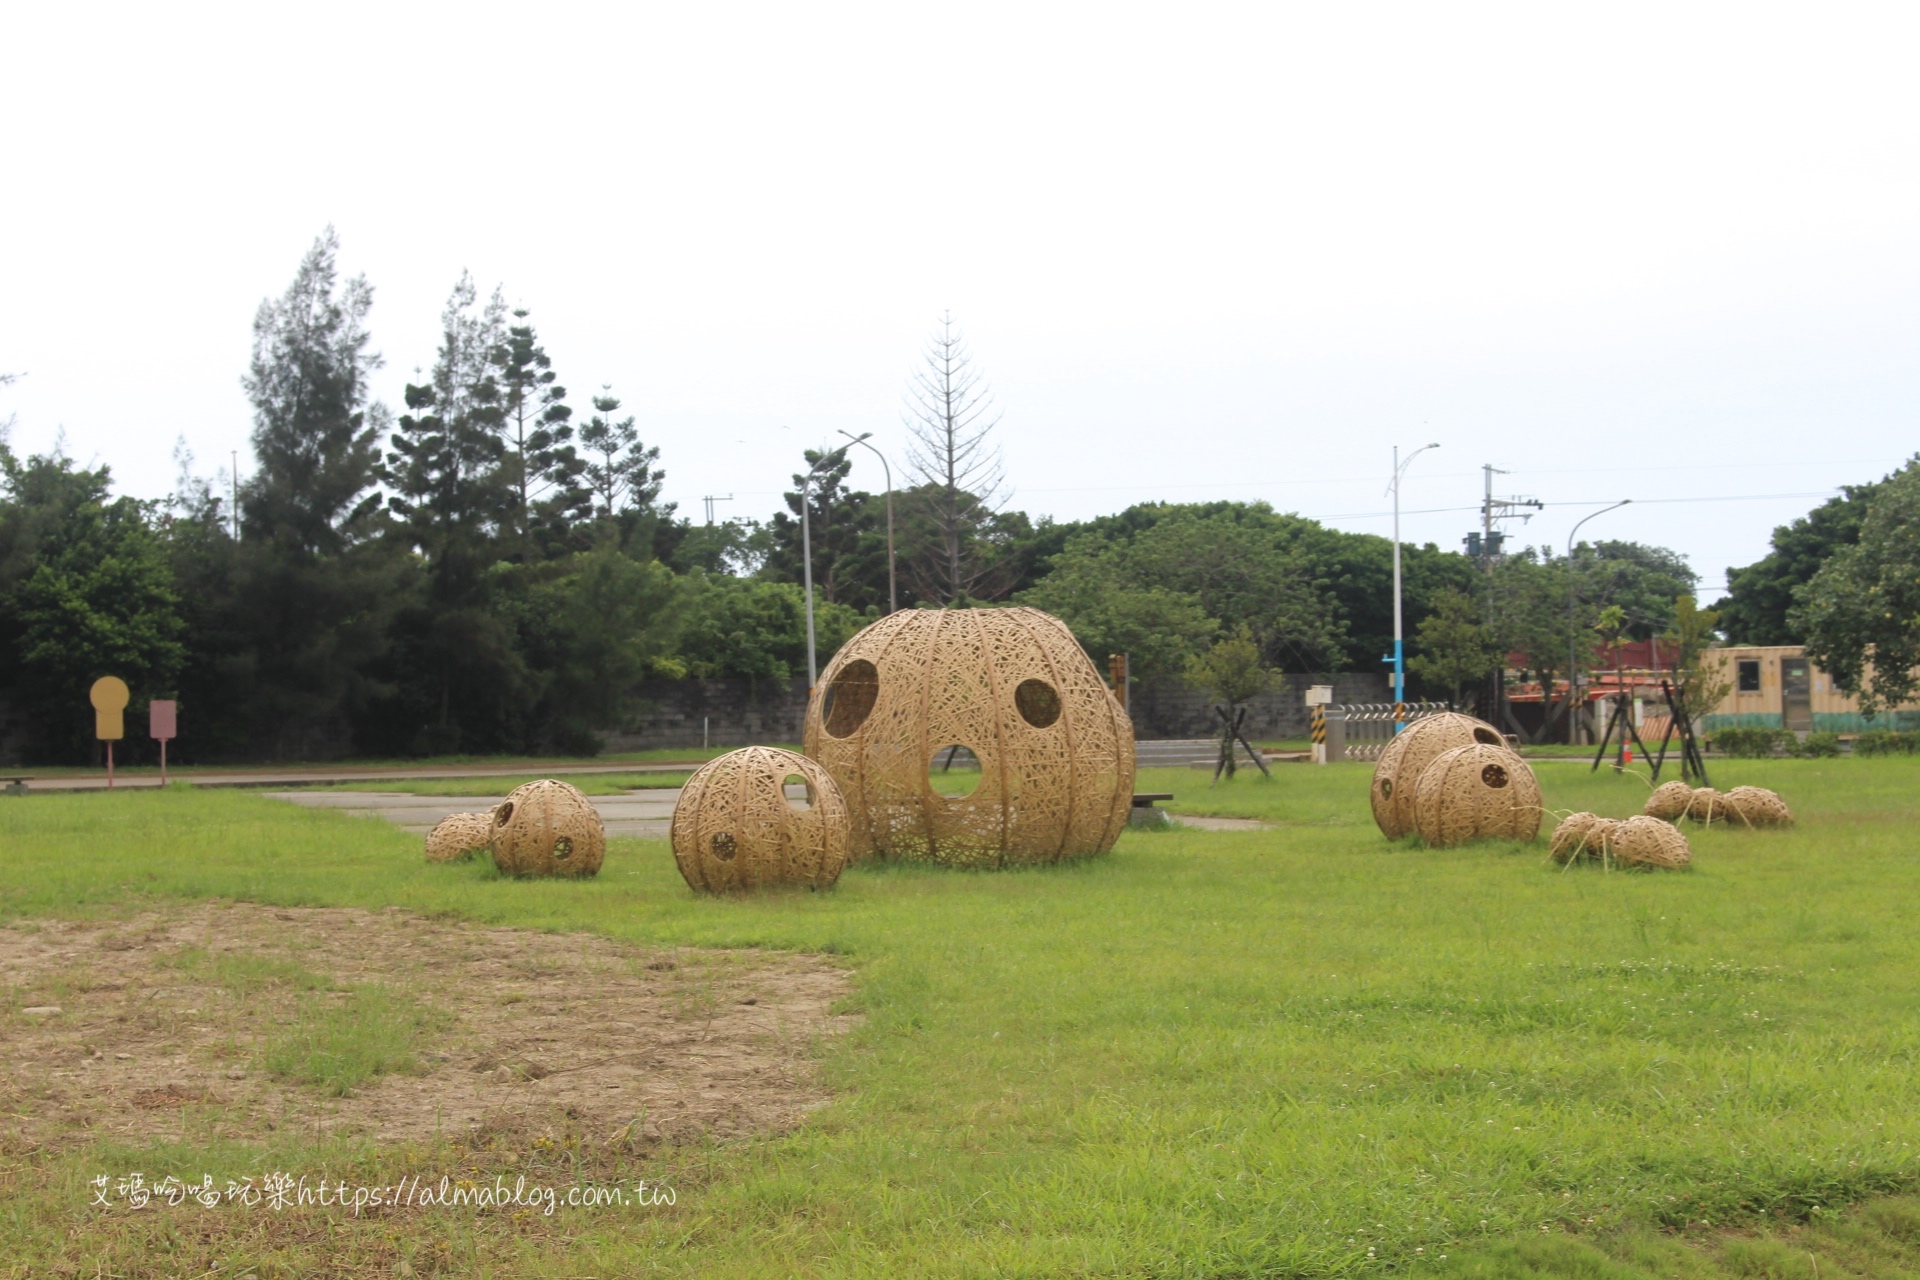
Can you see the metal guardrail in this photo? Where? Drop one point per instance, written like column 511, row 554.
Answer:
column 1362, row 730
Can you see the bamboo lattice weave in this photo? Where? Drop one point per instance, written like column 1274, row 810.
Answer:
column 1759, row 807
column 1582, row 835
column 1396, row 776
column 548, row 828
column 459, row 835
column 1476, row 792
column 1650, row 843
column 1669, row 800
column 735, row 828
column 1013, row 688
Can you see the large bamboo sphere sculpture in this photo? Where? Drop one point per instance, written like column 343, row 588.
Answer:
column 1669, row 800
column 1013, row 688
column 1708, row 806
column 1582, row 835
column 735, row 826
column 1407, row 757
column 1475, row 792
column 1759, row 807
column 1648, row 842
column 459, row 835
column 548, row 828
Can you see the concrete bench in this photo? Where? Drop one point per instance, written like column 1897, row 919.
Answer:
column 16, row 783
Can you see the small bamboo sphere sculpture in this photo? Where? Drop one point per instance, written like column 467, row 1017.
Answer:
column 1759, row 807
column 1474, row 792
column 1010, row 689
column 459, row 835
column 1669, row 800
column 548, row 828
column 736, row 826
column 1582, row 835
column 1407, row 757
column 1648, row 842
column 1708, row 806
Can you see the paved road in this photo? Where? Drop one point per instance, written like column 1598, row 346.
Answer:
column 329, row 776
column 641, row 813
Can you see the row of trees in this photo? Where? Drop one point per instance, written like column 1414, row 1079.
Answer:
column 492, row 570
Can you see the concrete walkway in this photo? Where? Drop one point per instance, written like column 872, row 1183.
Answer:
column 645, row 814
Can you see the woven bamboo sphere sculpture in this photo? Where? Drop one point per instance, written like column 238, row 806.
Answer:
column 1759, row 807
column 1648, row 842
column 1475, row 792
column 1582, row 835
column 736, row 827
column 1669, row 800
column 459, row 835
column 1009, row 687
column 548, row 828
column 1407, row 757
column 1708, row 806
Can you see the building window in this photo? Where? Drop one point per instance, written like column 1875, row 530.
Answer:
column 1749, row 675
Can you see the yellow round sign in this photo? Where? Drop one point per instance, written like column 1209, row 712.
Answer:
column 109, row 697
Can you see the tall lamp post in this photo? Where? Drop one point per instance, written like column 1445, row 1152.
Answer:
column 806, row 554
column 893, row 592
column 1572, row 646
column 1399, row 658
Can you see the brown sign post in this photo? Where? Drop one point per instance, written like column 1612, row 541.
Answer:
column 109, row 698
column 160, row 727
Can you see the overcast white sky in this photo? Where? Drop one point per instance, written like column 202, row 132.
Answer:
column 1657, row 251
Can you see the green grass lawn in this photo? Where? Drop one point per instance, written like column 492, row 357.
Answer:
column 1298, row 1051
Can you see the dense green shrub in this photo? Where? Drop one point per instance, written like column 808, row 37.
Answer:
column 1748, row 741
column 1820, row 744
column 1885, row 742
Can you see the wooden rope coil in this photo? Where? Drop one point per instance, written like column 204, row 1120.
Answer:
column 1476, row 792
column 1397, row 774
column 548, row 828
column 735, row 827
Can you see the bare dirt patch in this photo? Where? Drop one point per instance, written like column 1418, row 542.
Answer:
column 140, row 1029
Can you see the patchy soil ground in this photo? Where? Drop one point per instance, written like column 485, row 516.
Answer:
column 122, row 1030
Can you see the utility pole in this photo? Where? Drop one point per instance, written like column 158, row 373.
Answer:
column 1486, row 544
column 710, row 499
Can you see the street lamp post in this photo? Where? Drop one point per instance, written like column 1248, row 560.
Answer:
column 806, row 556
column 1572, row 644
column 893, row 592
column 1399, row 658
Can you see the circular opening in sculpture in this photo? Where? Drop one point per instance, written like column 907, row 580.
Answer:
column 1488, row 736
column 723, row 846
column 1494, row 776
column 850, row 697
column 562, row 849
column 798, row 791
column 1386, row 788
column 954, row 770
column 1037, row 702
column 503, row 814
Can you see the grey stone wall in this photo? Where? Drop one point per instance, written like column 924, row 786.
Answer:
column 1175, row 709
column 738, row 713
